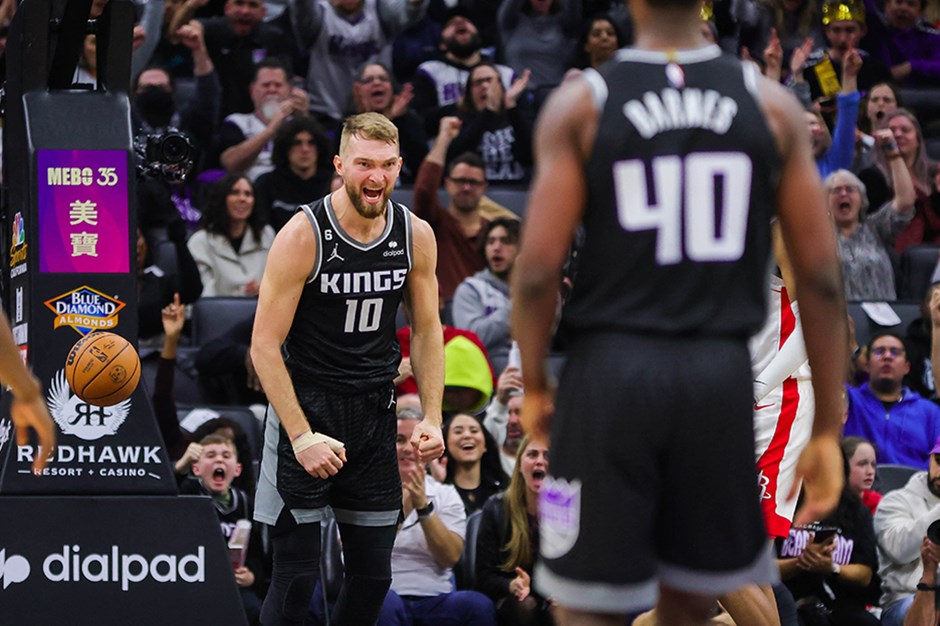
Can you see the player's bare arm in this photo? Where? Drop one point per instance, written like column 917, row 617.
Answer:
column 28, row 409
column 563, row 139
column 427, row 340
column 810, row 240
column 281, row 286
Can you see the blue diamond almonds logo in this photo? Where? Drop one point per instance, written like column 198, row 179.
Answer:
column 85, row 309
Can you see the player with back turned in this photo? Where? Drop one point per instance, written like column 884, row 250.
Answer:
column 676, row 159
column 325, row 350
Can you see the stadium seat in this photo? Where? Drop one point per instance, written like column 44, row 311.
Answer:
column 513, row 198
column 465, row 570
column 890, row 477
column 241, row 415
column 865, row 328
column 186, row 389
column 917, row 267
column 214, row 316
column 331, row 559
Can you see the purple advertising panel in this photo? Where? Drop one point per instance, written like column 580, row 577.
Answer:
column 83, row 211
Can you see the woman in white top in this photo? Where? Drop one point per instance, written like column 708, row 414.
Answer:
column 232, row 246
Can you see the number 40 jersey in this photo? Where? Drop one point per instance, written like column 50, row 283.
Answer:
column 343, row 334
column 682, row 185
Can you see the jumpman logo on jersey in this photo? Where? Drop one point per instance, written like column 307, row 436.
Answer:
column 335, row 254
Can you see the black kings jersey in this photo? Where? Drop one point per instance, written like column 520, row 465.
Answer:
column 682, row 182
column 343, row 334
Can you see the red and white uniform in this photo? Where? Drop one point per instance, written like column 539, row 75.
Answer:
column 783, row 418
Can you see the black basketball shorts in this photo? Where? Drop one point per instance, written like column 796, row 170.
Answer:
column 652, row 474
column 366, row 491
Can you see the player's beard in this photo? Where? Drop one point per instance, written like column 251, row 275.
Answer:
column 363, row 208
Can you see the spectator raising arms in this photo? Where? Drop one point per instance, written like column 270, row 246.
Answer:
column 863, row 244
column 245, row 138
column 232, row 246
column 539, row 35
column 341, row 35
column 493, row 126
column 374, row 91
column 880, row 101
column 925, row 226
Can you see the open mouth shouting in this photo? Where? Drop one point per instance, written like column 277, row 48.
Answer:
column 537, row 477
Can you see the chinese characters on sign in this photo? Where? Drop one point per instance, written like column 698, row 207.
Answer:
column 83, row 211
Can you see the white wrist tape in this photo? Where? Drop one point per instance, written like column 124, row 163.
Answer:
column 309, row 438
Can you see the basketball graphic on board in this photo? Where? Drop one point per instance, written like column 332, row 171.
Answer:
column 102, row 368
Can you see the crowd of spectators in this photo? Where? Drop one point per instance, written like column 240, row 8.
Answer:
column 261, row 89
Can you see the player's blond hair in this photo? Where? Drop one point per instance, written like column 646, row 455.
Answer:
column 372, row 126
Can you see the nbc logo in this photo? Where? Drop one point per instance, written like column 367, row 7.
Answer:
column 13, row 569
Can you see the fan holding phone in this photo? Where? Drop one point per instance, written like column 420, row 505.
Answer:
column 831, row 566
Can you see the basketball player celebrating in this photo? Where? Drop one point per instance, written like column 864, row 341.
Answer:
column 325, row 350
column 675, row 157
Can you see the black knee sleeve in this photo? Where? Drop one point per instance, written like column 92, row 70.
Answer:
column 294, row 575
column 367, row 550
column 360, row 601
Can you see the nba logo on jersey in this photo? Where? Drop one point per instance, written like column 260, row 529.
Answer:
column 559, row 516
column 675, row 75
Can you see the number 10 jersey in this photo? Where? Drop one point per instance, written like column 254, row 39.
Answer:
column 342, row 338
column 682, row 183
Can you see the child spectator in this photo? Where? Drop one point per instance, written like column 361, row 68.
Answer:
column 212, row 475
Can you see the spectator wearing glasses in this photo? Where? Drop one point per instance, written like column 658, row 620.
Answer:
column 897, row 421
column 375, row 91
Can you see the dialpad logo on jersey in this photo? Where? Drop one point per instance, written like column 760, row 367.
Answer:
column 13, row 569
column 559, row 516
column 83, row 420
column 395, row 250
column 18, row 246
column 85, row 309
